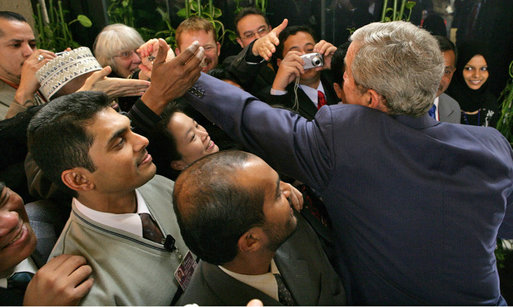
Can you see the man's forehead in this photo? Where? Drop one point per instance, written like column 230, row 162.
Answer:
column 106, row 122
column 14, row 29
column 256, row 22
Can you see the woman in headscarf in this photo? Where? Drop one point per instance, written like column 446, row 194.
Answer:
column 470, row 86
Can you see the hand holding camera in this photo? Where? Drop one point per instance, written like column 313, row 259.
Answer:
column 312, row 60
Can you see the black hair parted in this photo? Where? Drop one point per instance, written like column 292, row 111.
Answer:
column 57, row 134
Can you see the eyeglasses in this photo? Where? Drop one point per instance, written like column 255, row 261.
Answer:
column 125, row 55
column 260, row 31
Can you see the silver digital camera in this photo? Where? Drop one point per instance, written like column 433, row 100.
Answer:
column 312, row 60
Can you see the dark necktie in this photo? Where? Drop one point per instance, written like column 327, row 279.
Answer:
column 150, row 229
column 19, row 281
column 284, row 295
column 432, row 111
column 321, row 99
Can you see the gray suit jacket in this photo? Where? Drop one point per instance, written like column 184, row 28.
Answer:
column 449, row 109
column 301, row 262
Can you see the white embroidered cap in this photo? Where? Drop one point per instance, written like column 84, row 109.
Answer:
column 64, row 68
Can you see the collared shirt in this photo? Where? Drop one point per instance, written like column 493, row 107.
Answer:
column 130, row 222
column 27, row 265
column 309, row 91
column 437, row 114
column 263, row 282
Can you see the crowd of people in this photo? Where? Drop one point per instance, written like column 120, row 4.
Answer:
column 294, row 172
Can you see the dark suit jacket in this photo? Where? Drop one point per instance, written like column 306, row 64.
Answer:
column 416, row 204
column 301, row 262
column 306, row 107
column 255, row 78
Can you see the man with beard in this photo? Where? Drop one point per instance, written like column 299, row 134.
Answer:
column 235, row 214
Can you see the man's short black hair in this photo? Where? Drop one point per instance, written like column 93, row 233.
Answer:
column 245, row 12
column 212, row 209
column 446, row 45
column 288, row 32
column 8, row 15
column 12, row 16
column 57, row 134
column 337, row 63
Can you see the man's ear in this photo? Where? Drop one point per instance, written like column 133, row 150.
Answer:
column 218, row 48
column 77, row 179
column 178, row 165
column 240, row 42
column 251, row 240
column 377, row 101
column 338, row 90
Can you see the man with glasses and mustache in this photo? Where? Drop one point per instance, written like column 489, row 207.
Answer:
column 252, row 71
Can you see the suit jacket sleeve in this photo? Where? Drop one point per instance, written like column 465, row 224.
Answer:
column 287, row 141
column 244, row 72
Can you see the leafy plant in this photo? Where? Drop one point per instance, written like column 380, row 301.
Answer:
column 209, row 12
column 396, row 12
column 54, row 34
column 505, row 124
column 121, row 11
column 169, row 33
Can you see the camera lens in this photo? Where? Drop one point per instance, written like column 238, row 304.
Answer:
column 316, row 61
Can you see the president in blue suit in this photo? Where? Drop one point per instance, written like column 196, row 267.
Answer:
column 416, row 204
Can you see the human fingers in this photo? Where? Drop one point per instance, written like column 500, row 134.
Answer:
column 82, row 289
column 281, row 27
column 295, row 198
column 194, row 63
column 161, row 54
column 189, row 53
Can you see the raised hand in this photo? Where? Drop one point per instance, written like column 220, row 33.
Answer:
column 291, row 67
column 114, row 87
column 265, row 46
column 327, row 50
column 172, row 79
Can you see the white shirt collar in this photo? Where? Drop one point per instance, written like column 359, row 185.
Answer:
column 264, row 282
column 27, row 265
column 312, row 92
column 437, row 101
column 130, row 222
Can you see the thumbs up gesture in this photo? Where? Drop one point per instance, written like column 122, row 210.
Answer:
column 266, row 45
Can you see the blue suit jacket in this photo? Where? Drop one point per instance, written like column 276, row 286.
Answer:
column 416, row 204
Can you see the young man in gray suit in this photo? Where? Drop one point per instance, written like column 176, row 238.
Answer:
column 237, row 216
column 86, row 147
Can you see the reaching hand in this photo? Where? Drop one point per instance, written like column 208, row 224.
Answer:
column 114, row 87
column 265, row 46
column 327, row 50
column 291, row 67
column 64, row 280
column 28, row 82
column 148, row 52
column 172, row 79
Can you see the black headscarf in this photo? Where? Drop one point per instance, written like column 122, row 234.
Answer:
column 471, row 100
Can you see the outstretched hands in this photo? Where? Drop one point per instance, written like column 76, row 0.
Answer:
column 171, row 79
column 148, row 52
column 114, row 87
column 265, row 45
column 64, row 280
